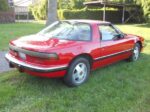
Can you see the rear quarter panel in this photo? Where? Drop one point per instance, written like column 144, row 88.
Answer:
column 67, row 54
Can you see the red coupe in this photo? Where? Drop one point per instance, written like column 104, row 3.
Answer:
column 72, row 48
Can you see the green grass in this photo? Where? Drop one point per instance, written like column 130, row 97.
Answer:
column 12, row 31
column 121, row 87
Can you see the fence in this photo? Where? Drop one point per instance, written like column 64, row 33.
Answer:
column 7, row 16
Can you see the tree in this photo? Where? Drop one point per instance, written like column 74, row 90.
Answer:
column 42, row 12
column 52, row 11
column 64, row 4
column 77, row 4
column 71, row 4
column 3, row 5
column 39, row 10
column 145, row 4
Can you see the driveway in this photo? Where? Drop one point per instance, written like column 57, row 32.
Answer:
column 4, row 66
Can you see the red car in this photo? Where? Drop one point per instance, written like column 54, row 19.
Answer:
column 72, row 48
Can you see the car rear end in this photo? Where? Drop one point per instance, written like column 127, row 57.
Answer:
column 35, row 63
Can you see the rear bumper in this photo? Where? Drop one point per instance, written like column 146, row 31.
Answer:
column 22, row 65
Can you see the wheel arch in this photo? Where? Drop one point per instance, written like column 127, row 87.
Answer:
column 140, row 43
column 83, row 55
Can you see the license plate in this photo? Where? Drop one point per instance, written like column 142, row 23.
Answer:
column 22, row 55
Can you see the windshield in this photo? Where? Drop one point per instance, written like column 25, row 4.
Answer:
column 66, row 30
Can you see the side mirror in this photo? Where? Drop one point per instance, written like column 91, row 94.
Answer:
column 118, row 36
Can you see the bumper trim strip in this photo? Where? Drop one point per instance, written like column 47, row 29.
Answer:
column 21, row 64
column 111, row 55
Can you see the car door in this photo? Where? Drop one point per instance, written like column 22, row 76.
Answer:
column 113, row 44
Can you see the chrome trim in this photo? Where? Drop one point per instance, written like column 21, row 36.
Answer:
column 114, row 54
column 33, row 53
column 21, row 64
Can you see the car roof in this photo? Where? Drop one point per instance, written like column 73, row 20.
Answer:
column 87, row 21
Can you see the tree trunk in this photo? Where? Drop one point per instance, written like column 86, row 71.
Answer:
column 52, row 12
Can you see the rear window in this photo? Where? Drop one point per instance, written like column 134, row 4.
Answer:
column 69, row 31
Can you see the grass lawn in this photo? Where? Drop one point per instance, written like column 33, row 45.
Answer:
column 12, row 31
column 121, row 87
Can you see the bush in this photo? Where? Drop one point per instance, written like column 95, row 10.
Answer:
column 4, row 5
column 39, row 10
column 114, row 16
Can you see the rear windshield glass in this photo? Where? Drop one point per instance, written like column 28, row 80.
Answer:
column 67, row 30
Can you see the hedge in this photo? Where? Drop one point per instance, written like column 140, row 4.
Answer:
column 114, row 16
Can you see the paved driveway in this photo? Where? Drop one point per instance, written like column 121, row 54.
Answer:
column 3, row 63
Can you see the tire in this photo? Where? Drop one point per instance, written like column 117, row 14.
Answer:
column 78, row 72
column 135, row 53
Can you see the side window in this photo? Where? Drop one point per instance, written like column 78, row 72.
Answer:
column 84, row 32
column 107, row 32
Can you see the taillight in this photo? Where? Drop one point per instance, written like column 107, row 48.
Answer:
column 13, row 53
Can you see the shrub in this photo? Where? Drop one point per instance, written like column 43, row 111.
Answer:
column 39, row 10
column 114, row 16
column 4, row 5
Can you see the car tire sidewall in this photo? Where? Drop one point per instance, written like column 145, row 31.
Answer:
column 132, row 58
column 68, row 79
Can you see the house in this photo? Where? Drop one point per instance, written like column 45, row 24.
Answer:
column 21, row 8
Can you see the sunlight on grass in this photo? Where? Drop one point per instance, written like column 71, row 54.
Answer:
column 121, row 87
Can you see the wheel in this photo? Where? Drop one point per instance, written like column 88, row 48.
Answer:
column 78, row 72
column 135, row 53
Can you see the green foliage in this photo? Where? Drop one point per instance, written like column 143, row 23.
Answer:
column 4, row 5
column 64, row 4
column 145, row 4
column 71, row 4
column 95, row 14
column 77, row 4
column 39, row 10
